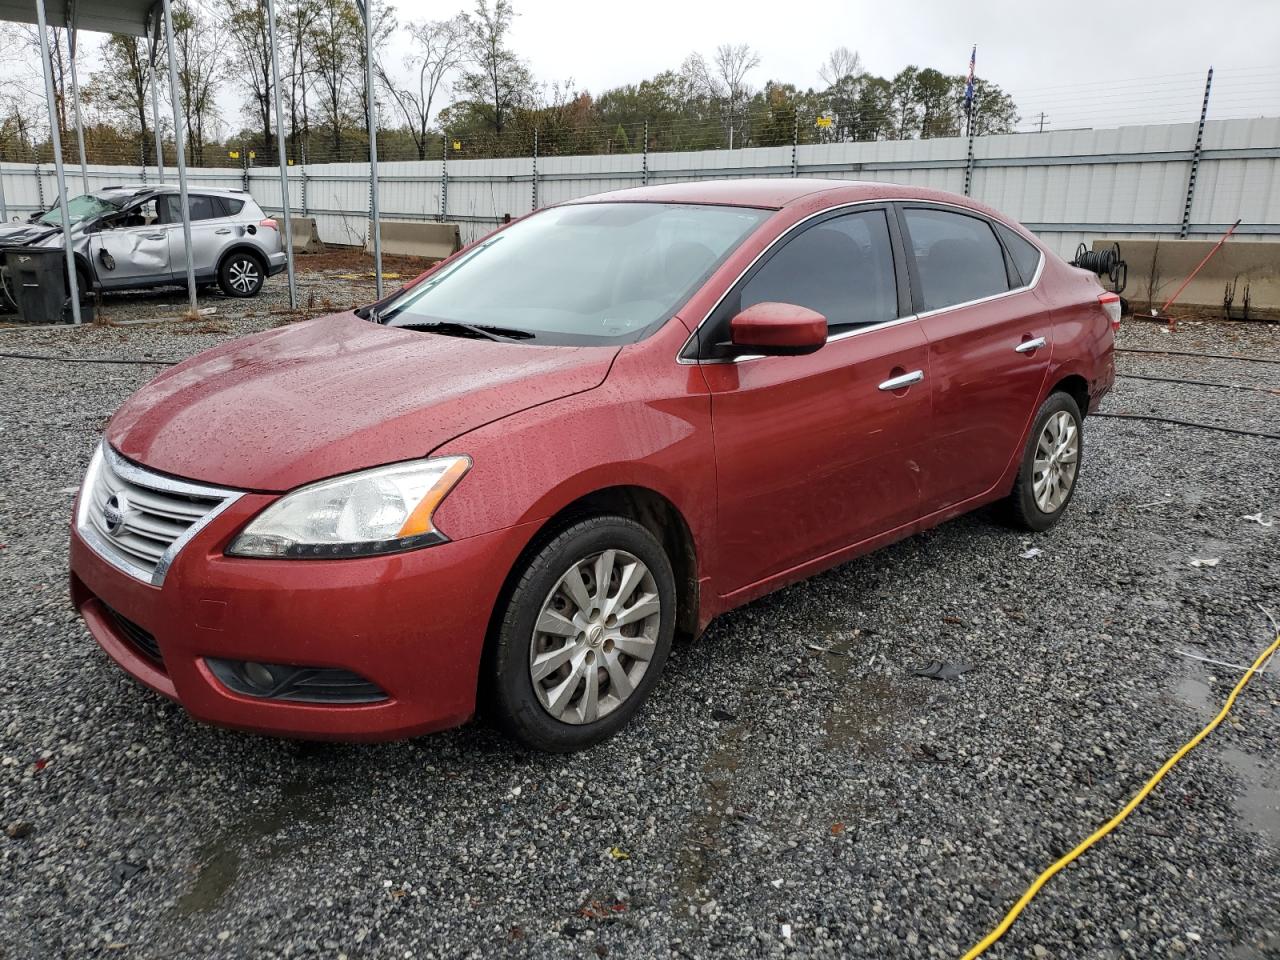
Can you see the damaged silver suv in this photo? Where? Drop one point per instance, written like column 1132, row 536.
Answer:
column 130, row 237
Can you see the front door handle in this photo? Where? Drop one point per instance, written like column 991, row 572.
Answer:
column 1026, row 346
column 155, row 236
column 223, row 230
column 906, row 380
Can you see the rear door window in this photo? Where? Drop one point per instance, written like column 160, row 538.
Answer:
column 202, row 207
column 958, row 258
column 842, row 268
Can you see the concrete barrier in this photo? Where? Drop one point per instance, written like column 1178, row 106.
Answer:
column 417, row 238
column 306, row 238
column 1158, row 267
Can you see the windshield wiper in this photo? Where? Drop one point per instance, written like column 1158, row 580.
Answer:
column 480, row 331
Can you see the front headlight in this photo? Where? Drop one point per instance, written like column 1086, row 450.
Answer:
column 362, row 514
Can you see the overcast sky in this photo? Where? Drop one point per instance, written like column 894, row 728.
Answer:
column 1040, row 51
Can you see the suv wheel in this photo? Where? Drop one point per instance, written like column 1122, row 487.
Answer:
column 584, row 635
column 1050, row 465
column 241, row 275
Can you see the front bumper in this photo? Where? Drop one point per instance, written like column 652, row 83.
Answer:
column 413, row 623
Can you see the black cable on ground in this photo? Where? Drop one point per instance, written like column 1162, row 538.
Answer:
column 1188, row 423
column 1201, row 356
column 37, row 356
column 1200, row 383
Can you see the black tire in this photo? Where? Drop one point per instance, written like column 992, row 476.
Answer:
column 508, row 686
column 241, row 274
column 1021, row 508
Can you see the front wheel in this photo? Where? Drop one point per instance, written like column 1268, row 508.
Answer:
column 241, row 275
column 584, row 635
column 1050, row 465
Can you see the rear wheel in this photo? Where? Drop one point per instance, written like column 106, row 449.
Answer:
column 1050, row 465
column 584, row 635
column 241, row 274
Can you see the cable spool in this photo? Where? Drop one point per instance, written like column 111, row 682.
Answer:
column 1105, row 263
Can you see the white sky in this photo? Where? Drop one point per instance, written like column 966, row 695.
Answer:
column 1042, row 52
column 1135, row 61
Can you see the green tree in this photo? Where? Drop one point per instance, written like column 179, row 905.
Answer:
column 499, row 82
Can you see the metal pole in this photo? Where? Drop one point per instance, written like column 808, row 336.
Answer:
column 644, row 157
column 372, row 108
column 4, row 207
column 968, row 162
column 75, row 96
column 72, row 280
column 444, row 174
column 155, row 110
column 534, row 205
column 287, row 225
column 1195, row 159
column 795, row 142
column 180, row 150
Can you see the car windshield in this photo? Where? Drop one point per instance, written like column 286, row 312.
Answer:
column 590, row 273
column 80, row 208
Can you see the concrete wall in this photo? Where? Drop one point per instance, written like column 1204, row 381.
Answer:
column 1158, row 267
column 1067, row 186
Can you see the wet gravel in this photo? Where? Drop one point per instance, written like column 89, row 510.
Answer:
column 793, row 787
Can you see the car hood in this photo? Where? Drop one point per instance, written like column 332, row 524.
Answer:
column 328, row 396
column 25, row 234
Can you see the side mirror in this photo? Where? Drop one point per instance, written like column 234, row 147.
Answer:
column 778, row 329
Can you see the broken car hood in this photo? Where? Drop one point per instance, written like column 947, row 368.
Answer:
column 315, row 399
column 25, row 234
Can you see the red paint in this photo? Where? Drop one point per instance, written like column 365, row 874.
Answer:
column 780, row 466
column 779, row 327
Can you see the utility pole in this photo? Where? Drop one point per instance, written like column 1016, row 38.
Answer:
column 1042, row 119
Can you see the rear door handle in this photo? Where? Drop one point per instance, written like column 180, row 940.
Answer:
column 906, row 380
column 223, row 230
column 155, row 236
column 1028, row 345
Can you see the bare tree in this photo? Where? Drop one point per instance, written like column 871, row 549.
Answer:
column 25, row 46
column 246, row 22
column 500, row 82
column 337, row 54
column 198, row 46
column 840, row 63
column 724, row 80
column 119, row 90
column 294, row 26
column 441, row 49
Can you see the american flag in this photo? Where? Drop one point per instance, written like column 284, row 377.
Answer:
column 968, row 86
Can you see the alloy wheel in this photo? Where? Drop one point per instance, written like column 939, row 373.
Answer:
column 1054, row 469
column 595, row 636
column 243, row 275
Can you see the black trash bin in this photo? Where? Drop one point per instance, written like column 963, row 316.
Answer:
column 37, row 279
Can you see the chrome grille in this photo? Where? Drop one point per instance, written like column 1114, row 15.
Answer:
column 138, row 520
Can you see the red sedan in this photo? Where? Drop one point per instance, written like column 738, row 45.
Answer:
column 513, row 481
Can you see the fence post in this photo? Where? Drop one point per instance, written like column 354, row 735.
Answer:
column 1195, row 159
column 644, row 157
column 444, row 175
column 39, row 186
column 244, row 168
column 142, row 159
column 968, row 164
column 4, row 207
column 303, row 158
column 795, row 142
column 535, row 168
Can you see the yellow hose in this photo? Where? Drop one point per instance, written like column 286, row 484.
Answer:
column 1000, row 930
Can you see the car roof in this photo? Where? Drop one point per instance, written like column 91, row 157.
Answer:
column 774, row 193
column 137, row 189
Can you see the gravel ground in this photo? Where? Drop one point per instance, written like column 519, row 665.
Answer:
column 791, row 788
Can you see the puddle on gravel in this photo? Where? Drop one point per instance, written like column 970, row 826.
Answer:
column 274, row 831
column 1258, row 803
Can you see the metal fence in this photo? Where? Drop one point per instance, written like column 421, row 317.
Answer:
column 1162, row 180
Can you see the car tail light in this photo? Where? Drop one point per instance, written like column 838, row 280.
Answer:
column 269, row 223
column 1111, row 305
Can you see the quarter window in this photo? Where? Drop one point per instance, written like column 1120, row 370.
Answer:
column 1025, row 256
column 958, row 258
column 842, row 268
